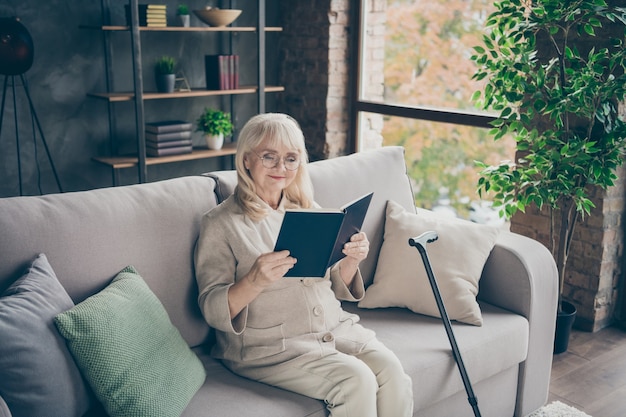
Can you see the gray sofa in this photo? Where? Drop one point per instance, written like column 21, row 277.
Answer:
column 90, row 236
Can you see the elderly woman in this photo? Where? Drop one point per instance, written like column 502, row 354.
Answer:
column 289, row 332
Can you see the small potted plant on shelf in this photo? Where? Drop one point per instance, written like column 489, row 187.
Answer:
column 215, row 124
column 164, row 74
column 183, row 15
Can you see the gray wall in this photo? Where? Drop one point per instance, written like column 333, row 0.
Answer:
column 69, row 63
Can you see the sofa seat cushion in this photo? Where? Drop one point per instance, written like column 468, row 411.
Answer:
column 226, row 394
column 422, row 345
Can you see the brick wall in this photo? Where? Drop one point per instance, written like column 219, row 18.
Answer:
column 314, row 70
column 595, row 261
column 374, row 77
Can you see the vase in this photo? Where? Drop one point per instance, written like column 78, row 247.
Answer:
column 564, row 322
column 165, row 82
column 214, row 142
column 183, row 20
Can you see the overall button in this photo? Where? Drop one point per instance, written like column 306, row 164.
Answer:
column 307, row 282
column 317, row 310
column 328, row 337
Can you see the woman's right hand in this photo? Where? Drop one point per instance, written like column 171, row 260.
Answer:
column 269, row 268
column 266, row 270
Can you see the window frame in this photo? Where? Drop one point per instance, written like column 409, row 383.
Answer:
column 426, row 113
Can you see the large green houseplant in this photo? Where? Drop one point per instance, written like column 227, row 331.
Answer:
column 556, row 79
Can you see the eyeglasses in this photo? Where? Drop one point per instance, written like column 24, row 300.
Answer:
column 271, row 160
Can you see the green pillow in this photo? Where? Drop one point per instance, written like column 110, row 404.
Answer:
column 131, row 354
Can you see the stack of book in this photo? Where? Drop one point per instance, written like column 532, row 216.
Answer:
column 172, row 137
column 222, row 72
column 153, row 15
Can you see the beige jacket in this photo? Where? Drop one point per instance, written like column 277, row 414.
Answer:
column 295, row 319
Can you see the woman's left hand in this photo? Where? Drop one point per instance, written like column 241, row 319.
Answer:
column 358, row 247
column 356, row 250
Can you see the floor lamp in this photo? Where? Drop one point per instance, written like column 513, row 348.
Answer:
column 16, row 57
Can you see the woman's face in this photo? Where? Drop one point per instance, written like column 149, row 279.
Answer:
column 268, row 166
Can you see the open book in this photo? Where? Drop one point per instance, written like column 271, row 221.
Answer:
column 315, row 237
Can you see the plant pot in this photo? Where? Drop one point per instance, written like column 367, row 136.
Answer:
column 183, row 19
column 165, row 82
column 214, row 142
column 564, row 322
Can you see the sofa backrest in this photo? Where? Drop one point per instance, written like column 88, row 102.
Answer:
column 90, row 236
column 339, row 180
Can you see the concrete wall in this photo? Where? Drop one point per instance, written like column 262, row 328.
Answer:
column 69, row 64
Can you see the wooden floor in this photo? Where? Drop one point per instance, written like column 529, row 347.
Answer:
column 591, row 375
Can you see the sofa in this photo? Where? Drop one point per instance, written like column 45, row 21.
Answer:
column 88, row 237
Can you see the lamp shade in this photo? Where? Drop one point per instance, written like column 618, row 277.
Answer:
column 16, row 47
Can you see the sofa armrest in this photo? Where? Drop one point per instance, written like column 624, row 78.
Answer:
column 521, row 276
column 4, row 409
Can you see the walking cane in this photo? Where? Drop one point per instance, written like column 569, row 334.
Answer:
column 420, row 243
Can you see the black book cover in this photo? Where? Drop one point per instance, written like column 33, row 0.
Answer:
column 316, row 237
column 169, row 136
column 167, row 126
column 215, row 74
column 174, row 150
column 168, row 143
column 352, row 223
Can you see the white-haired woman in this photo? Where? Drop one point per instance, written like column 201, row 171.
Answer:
column 289, row 332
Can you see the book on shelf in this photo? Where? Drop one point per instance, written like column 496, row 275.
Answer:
column 168, row 137
column 174, row 150
column 315, row 237
column 234, row 71
column 148, row 12
column 221, row 72
column 168, row 143
column 167, row 126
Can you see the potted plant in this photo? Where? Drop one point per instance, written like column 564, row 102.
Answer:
column 182, row 11
column 164, row 74
column 215, row 124
column 556, row 83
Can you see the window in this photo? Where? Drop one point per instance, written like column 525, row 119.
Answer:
column 414, row 89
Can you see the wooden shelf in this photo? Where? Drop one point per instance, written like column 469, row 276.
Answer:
column 138, row 94
column 118, row 162
column 181, row 29
column 128, row 96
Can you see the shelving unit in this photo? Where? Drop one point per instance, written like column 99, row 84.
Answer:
column 138, row 95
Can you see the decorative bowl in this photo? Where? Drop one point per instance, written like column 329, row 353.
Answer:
column 217, row 17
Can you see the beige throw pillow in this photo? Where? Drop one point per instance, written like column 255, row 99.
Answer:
column 457, row 259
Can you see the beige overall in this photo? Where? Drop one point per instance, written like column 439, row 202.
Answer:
column 295, row 334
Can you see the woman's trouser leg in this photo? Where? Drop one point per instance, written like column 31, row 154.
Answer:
column 372, row 384
column 395, row 392
column 345, row 383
